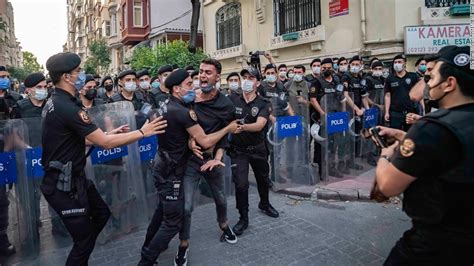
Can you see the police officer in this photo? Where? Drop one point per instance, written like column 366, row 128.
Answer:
column 434, row 170
column 128, row 83
column 8, row 98
column 161, row 94
column 315, row 70
column 233, row 81
column 170, row 166
column 66, row 127
column 108, row 85
column 88, row 93
column 343, row 66
column 397, row 100
column 248, row 148
column 37, row 92
column 144, row 85
column 420, row 67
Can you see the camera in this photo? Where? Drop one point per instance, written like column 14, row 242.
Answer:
column 373, row 133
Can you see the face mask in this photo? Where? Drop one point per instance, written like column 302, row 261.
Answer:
column 196, row 84
column 327, row 73
column 109, row 87
column 144, row 85
column 335, row 66
column 422, row 68
column 291, row 75
column 271, row 78
column 155, row 85
column 343, row 68
column 317, row 70
column 189, row 96
column 91, row 94
column 80, row 81
column 234, row 86
column 207, row 89
column 377, row 73
column 440, row 98
column 282, row 74
column 426, row 78
column 298, row 77
column 385, row 74
column 355, row 69
column 130, row 86
column 41, row 94
column 247, row 86
column 398, row 67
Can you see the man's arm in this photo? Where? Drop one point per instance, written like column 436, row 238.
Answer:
column 254, row 127
column 208, row 141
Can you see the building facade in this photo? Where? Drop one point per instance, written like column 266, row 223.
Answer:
column 297, row 31
column 10, row 49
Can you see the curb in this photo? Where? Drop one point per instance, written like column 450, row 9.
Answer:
column 324, row 193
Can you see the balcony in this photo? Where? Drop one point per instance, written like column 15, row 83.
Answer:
column 437, row 10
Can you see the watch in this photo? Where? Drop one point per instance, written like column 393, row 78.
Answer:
column 385, row 157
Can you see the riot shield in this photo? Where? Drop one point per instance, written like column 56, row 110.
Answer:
column 337, row 132
column 17, row 213
column 289, row 139
column 116, row 172
column 372, row 117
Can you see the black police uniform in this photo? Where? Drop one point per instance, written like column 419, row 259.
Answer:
column 84, row 213
column 400, row 103
column 277, row 94
column 168, row 172
column 7, row 102
column 249, row 148
column 439, row 201
column 159, row 97
column 26, row 109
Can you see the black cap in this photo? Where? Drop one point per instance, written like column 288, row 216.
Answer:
column 326, row 61
column 176, row 78
column 355, row 58
column 315, row 60
column 105, row 79
column 252, row 72
column 340, row 60
column 3, row 68
column 194, row 73
column 97, row 76
column 269, row 66
column 433, row 57
column 175, row 66
column 400, row 56
column 165, row 68
column 419, row 61
column 63, row 63
column 33, row 79
column 89, row 77
column 125, row 73
column 190, row 67
column 233, row 74
column 143, row 72
column 458, row 57
column 376, row 64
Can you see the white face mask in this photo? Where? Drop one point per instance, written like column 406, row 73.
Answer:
column 247, row 86
column 291, row 75
column 355, row 69
column 343, row 68
column 398, row 67
column 40, row 94
column 271, row 78
column 282, row 74
column 196, row 84
column 317, row 70
column 218, row 85
column 377, row 73
column 130, row 86
column 298, row 77
column 144, row 85
column 234, row 86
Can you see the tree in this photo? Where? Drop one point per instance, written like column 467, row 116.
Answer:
column 99, row 61
column 176, row 52
column 30, row 63
column 196, row 5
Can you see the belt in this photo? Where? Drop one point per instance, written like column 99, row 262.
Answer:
column 248, row 148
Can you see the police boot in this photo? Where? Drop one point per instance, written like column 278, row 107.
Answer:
column 333, row 171
column 242, row 224
column 6, row 248
column 341, row 166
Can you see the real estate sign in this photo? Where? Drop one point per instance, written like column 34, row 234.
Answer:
column 429, row 39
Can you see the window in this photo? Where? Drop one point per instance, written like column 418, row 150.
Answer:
column 137, row 13
column 296, row 15
column 113, row 24
column 106, row 28
column 228, row 25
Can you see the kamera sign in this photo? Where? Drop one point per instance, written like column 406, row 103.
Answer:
column 429, row 39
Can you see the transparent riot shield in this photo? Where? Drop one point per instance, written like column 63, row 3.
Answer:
column 337, row 132
column 372, row 117
column 289, row 139
column 17, row 212
column 116, row 172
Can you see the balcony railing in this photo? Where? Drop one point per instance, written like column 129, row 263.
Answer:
column 444, row 3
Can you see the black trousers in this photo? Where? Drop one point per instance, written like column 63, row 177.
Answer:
column 398, row 120
column 258, row 160
column 165, row 224
column 4, row 204
column 84, row 229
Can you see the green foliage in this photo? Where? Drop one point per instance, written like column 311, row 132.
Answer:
column 18, row 73
column 99, row 60
column 175, row 52
column 30, row 63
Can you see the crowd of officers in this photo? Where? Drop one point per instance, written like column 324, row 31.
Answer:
column 202, row 118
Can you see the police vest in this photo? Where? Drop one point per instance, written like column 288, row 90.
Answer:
column 136, row 104
column 446, row 200
column 28, row 109
column 377, row 84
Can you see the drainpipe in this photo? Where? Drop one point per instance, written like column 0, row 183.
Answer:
column 363, row 21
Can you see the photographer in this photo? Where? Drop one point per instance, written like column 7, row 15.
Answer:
column 433, row 168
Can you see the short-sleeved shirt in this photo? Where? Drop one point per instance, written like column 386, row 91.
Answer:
column 250, row 112
column 65, row 125
column 356, row 87
column 277, row 96
column 175, row 139
column 399, row 89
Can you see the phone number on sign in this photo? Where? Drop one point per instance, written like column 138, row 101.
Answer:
column 422, row 50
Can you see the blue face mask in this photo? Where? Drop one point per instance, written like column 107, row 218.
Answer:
column 335, row 66
column 422, row 68
column 189, row 96
column 155, row 85
column 80, row 81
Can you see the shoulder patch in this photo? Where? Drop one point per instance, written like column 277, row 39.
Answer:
column 193, row 115
column 461, row 60
column 255, row 111
column 408, row 81
column 312, row 89
column 407, row 148
column 84, row 117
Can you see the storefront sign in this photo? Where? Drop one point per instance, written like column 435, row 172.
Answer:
column 429, row 39
column 338, row 8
